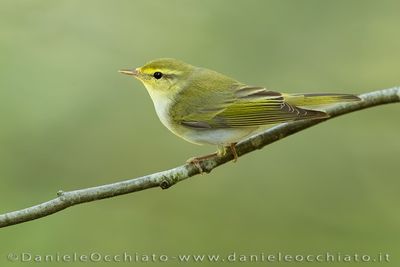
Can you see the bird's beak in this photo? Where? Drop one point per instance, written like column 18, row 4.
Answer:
column 130, row 72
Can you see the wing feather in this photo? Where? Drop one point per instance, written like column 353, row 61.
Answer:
column 249, row 107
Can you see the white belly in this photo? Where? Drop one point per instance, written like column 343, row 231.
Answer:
column 217, row 137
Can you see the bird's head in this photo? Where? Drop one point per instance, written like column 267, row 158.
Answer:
column 161, row 75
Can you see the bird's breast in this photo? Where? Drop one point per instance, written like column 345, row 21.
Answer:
column 162, row 105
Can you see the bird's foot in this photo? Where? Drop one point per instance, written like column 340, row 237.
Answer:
column 234, row 152
column 223, row 149
column 196, row 161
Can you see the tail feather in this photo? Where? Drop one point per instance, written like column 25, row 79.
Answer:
column 310, row 114
column 319, row 99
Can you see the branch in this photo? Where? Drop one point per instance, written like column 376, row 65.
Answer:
column 170, row 177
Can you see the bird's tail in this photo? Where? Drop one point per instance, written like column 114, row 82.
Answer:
column 318, row 99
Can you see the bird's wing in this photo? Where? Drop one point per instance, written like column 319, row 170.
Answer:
column 247, row 107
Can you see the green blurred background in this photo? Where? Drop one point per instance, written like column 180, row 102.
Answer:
column 70, row 121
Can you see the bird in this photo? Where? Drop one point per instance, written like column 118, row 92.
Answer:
column 203, row 106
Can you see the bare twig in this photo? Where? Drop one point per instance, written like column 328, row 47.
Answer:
column 170, row 177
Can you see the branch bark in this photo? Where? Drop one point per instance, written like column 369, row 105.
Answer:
column 170, row 177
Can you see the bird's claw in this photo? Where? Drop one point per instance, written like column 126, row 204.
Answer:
column 196, row 162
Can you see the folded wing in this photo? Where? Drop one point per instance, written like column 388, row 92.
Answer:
column 251, row 107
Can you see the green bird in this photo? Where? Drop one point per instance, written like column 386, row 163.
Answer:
column 203, row 106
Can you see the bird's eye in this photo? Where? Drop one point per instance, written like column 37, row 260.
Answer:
column 157, row 75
